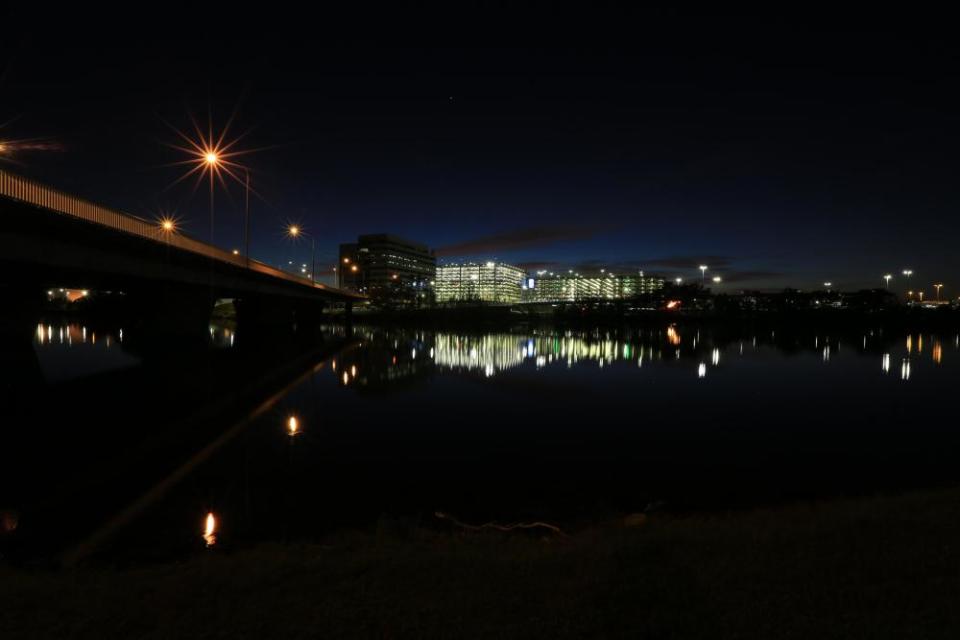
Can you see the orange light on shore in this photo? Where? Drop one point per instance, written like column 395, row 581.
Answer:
column 210, row 530
column 293, row 426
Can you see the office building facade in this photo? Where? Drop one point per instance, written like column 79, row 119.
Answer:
column 493, row 282
column 386, row 267
column 575, row 287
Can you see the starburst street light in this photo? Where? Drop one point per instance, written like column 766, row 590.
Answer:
column 295, row 231
column 214, row 157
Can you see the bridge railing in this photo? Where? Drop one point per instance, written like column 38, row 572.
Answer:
column 30, row 192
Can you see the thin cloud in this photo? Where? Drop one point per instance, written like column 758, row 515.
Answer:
column 519, row 239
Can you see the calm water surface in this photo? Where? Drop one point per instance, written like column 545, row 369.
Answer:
column 393, row 425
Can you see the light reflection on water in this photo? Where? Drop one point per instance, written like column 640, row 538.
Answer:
column 493, row 354
column 582, row 382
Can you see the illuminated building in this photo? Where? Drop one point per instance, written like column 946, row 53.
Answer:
column 575, row 287
column 387, row 267
column 480, row 282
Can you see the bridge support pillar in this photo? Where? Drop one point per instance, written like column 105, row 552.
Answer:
column 257, row 313
column 23, row 308
column 169, row 315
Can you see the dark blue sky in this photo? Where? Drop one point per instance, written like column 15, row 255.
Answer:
column 779, row 152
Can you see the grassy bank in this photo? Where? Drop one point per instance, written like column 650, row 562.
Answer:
column 869, row 568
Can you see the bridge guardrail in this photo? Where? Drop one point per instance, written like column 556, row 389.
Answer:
column 30, row 192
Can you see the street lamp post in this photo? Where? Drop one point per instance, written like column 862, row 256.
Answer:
column 246, row 218
column 212, row 161
column 938, row 287
column 906, row 274
column 887, row 278
column 703, row 274
column 294, row 231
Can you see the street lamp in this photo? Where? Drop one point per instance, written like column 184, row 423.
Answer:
column 907, row 273
column 938, row 287
column 212, row 162
column 703, row 273
column 678, row 280
column 887, row 278
column 295, row 231
column 717, row 279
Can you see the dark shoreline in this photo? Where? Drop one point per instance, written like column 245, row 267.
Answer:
column 873, row 567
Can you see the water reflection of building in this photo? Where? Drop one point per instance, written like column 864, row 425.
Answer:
column 405, row 355
column 575, row 287
column 493, row 353
column 482, row 282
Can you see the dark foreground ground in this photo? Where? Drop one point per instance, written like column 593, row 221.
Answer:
column 868, row 568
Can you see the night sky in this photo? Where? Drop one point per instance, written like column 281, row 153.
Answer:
column 780, row 152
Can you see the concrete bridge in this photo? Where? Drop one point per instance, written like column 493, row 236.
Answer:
column 166, row 280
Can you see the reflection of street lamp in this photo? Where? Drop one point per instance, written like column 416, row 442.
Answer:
column 293, row 426
column 294, row 231
column 938, row 287
column 887, row 278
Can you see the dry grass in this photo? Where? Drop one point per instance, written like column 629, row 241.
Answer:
column 869, row 568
